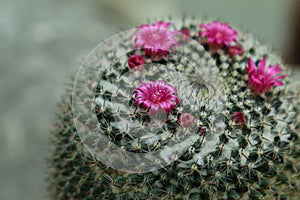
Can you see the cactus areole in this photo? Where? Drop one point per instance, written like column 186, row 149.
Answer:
column 178, row 110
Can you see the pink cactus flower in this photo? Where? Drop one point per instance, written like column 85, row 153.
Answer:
column 218, row 33
column 186, row 120
column 203, row 131
column 155, row 38
column 136, row 62
column 238, row 118
column 236, row 50
column 155, row 96
column 261, row 79
column 185, row 35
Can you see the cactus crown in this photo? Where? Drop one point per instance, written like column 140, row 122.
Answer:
column 181, row 111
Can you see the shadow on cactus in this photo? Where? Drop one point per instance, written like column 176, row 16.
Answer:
column 182, row 110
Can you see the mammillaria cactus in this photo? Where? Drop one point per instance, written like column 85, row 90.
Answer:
column 182, row 110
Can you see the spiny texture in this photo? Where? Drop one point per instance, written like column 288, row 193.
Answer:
column 223, row 140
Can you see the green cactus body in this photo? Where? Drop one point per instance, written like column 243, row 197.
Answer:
column 217, row 157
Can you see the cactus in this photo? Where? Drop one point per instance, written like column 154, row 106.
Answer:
column 196, row 114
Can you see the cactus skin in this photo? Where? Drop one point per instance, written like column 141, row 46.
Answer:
column 259, row 160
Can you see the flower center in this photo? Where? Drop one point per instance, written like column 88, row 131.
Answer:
column 219, row 35
column 261, row 77
column 156, row 36
column 157, row 96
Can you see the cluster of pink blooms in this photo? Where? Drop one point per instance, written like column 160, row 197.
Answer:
column 157, row 40
column 221, row 34
column 262, row 78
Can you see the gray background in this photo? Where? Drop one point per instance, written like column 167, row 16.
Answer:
column 42, row 43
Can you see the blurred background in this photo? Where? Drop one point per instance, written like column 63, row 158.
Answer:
column 42, row 44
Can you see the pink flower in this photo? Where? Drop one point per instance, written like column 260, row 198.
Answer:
column 218, row 33
column 155, row 38
column 203, row 131
column 154, row 96
column 235, row 50
column 238, row 118
column 185, row 34
column 261, row 79
column 186, row 120
column 136, row 62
